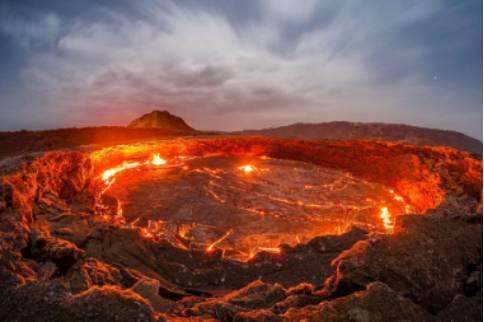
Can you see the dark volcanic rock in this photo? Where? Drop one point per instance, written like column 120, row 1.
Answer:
column 52, row 302
column 418, row 274
column 462, row 308
column 161, row 120
column 377, row 303
column 427, row 260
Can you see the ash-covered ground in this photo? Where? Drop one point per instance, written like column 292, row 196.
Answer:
column 70, row 249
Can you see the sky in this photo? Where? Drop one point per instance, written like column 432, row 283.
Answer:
column 232, row 65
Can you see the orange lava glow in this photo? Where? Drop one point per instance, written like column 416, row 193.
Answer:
column 157, row 160
column 247, row 168
column 272, row 250
column 256, row 250
column 108, row 175
column 400, row 199
column 218, row 241
column 156, row 229
column 408, row 209
column 183, row 231
column 387, row 219
column 396, row 196
column 153, row 229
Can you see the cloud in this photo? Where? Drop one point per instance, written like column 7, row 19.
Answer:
column 289, row 63
column 290, row 11
column 44, row 30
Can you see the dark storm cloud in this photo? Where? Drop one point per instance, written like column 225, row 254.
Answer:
column 241, row 64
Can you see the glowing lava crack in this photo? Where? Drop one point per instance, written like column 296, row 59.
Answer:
column 108, row 176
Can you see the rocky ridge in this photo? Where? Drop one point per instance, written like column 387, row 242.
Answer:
column 372, row 131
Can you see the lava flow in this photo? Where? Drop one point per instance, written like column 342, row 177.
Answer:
column 386, row 218
column 218, row 241
column 108, row 176
column 244, row 216
column 157, row 160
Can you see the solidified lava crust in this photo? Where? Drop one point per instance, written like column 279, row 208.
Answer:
column 69, row 249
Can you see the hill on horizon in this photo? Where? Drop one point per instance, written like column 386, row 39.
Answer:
column 343, row 130
column 161, row 120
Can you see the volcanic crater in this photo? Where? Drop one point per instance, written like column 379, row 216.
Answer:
column 245, row 205
column 242, row 228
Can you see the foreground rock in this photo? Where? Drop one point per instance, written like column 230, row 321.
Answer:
column 422, row 273
column 377, row 303
column 427, row 260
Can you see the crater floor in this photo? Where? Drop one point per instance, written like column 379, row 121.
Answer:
column 247, row 205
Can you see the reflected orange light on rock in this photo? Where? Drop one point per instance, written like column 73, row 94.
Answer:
column 254, row 251
column 408, row 209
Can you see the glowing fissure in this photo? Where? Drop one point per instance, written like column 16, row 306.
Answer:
column 270, row 250
column 108, row 176
column 218, row 241
column 273, row 250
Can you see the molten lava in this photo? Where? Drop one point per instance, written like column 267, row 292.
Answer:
column 311, row 201
column 218, row 241
column 153, row 230
column 247, row 168
column 157, row 160
column 396, row 196
column 387, row 219
column 108, row 175
column 272, row 250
